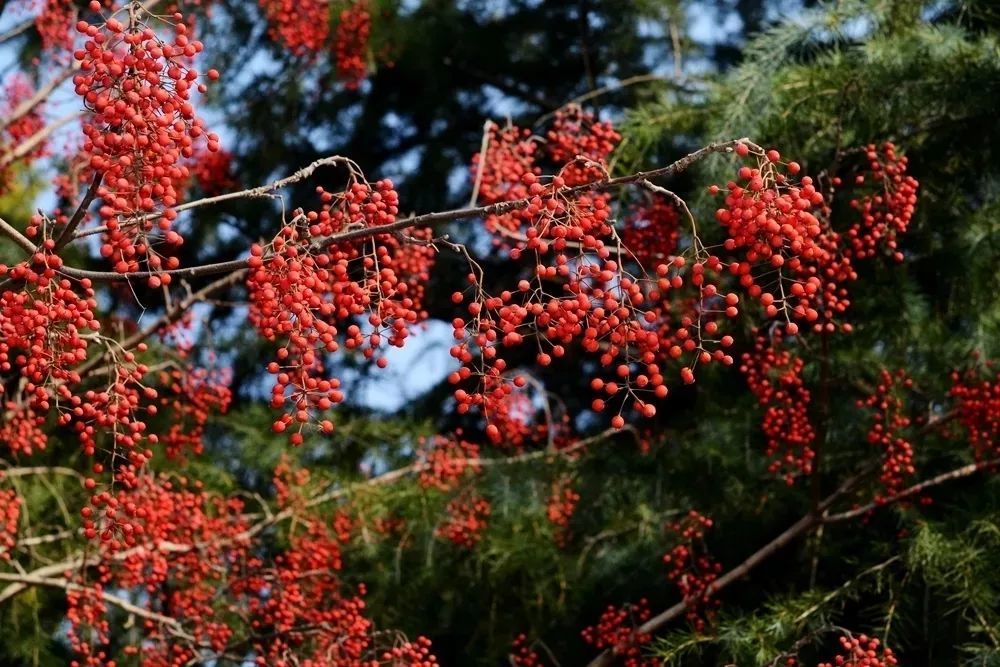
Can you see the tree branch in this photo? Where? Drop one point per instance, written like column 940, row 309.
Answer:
column 792, row 532
column 425, row 220
column 959, row 473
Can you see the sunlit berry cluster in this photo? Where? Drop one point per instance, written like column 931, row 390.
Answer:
column 580, row 144
column 890, row 421
column 887, row 211
column 141, row 130
column 789, row 262
column 313, row 296
column 976, row 396
column 774, row 375
column 618, row 631
column 862, row 651
column 692, row 570
column 44, row 329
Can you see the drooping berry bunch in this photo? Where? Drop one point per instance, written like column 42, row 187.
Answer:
column 445, row 460
column 141, row 131
column 692, row 569
column 10, row 512
column 300, row 25
column 45, row 323
column 977, row 401
column 787, row 259
column 886, row 212
column 467, row 517
column 191, row 396
column 890, row 421
column 774, row 376
column 862, row 651
column 350, row 45
column 618, row 630
column 313, row 296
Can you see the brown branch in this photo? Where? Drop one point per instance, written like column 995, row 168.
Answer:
column 251, row 193
column 40, row 470
column 959, row 473
column 425, row 220
column 32, row 142
column 67, row 233
column 33, row 579
column 17, row 237
column 172, row 314
column 25, row 107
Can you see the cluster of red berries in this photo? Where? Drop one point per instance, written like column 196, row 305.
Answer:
column 17, row 90
column 305, row 293
column 288, row 482
column 21, row 429
column 889, row 423
column 300, row 25
column 445, row 460
column 54, row 24
column 580, row 145
column 618, row 630
column 350, row 43
column 44, row 328
column 579, row 290
column 887, row 212
column 522, row 654
column 775, row 378
column 142, row 129
column 88, row 629
column 191, row 552
column 789, row 261
column 693, row 570
column 409, row 654
column 977, row 402
column 467, row 517
column 560, row 508
column 191, row 395
column 651, row 232
column 212, row 171
column 862, row 651
column 10, row 512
